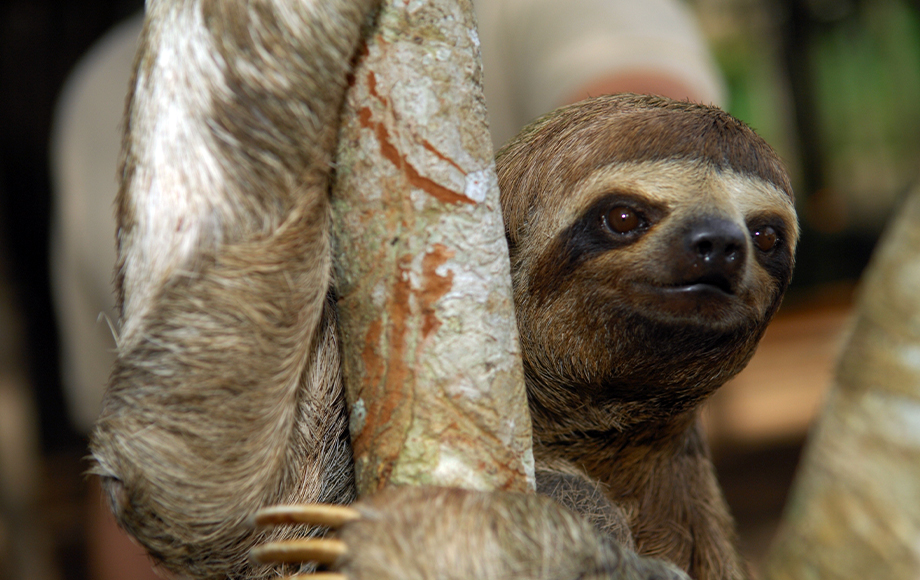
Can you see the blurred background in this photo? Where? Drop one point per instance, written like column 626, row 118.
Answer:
column 833, row 85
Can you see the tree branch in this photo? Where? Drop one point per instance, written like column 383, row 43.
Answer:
column 430, row 349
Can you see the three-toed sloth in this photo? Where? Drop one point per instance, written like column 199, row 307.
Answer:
column 651, row 242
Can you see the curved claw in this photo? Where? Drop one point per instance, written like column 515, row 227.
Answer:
column 332, row 516
column 323, row 551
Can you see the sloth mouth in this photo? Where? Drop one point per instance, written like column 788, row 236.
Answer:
column 708, row 283
column 709, row 297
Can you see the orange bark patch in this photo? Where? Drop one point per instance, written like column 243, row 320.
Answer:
column 388, row 382
column 364, row 118
column 434, row 286
column 372, row 88
column 387, row 149
column 440, row 155
column 392, row 154
column 387, row 386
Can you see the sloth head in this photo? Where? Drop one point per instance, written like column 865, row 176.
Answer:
column 651, row 243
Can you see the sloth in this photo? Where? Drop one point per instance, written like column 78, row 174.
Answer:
column 651, row 242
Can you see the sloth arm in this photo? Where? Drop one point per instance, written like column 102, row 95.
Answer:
column 412, row 532
column 223, row 394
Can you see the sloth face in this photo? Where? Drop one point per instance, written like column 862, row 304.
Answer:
column 677, row 242
column 651, row 243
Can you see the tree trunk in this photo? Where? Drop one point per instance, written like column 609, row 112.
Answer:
column 855, row 507
column 430, row 350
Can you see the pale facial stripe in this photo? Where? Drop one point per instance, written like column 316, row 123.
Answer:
column 679, row 185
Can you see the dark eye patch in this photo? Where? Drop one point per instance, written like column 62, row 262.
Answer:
column 770, row 235
column 612, row 221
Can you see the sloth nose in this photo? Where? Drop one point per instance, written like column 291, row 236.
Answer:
column 714, row 248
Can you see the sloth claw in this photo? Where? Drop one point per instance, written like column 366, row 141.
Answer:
column 331, row 516
column 322, row 551
column 318, row 550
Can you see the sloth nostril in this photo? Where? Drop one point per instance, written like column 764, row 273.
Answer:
column 732, row 251
column 704, row 248
column 717, row 246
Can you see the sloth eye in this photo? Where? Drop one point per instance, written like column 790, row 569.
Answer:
column 765, row 238
column 622, row 220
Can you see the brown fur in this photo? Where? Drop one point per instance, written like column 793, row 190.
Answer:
column 226, row 395
column 616, row 370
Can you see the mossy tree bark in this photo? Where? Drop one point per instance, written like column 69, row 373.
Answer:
column 855, row 507
column 431, row 360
